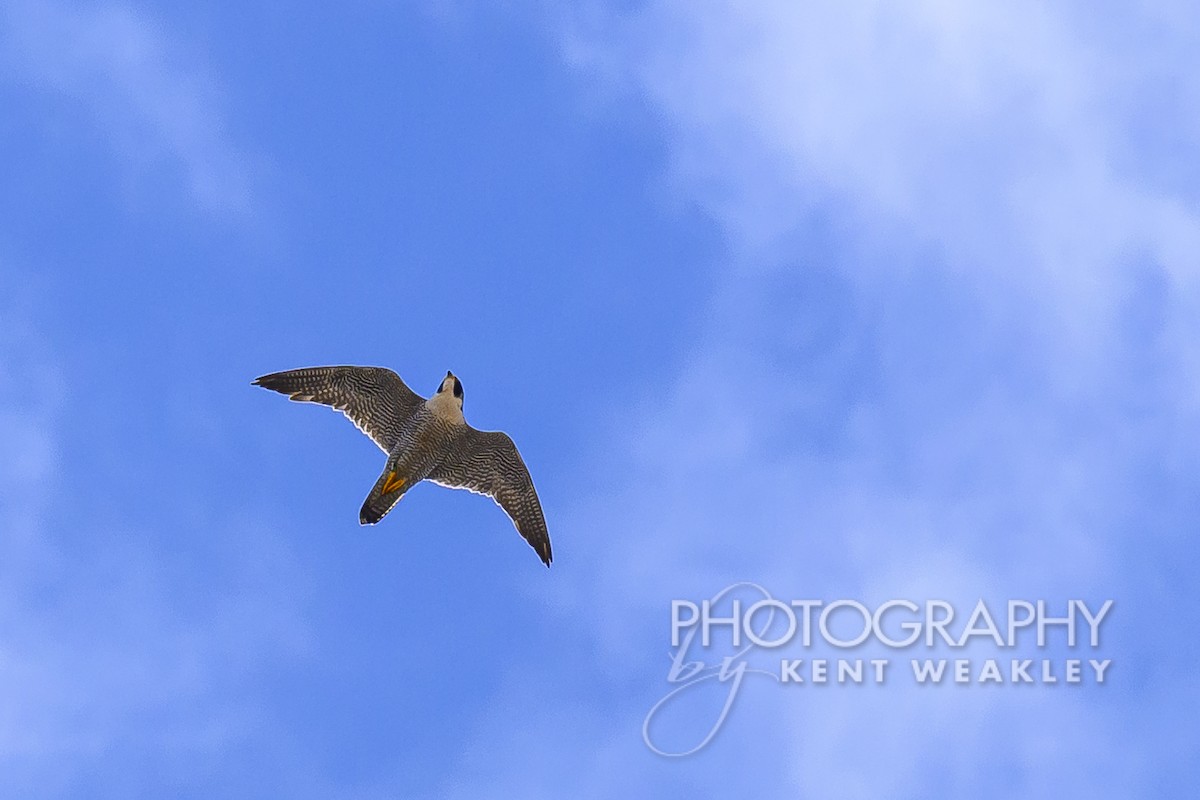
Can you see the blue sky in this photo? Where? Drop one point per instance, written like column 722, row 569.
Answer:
column 850, row 301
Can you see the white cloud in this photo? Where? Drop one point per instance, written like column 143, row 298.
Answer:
column 950, row 356
column 994, row 132
column 130, row 77
column 100, row 651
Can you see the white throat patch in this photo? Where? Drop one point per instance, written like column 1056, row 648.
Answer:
column 445, row 406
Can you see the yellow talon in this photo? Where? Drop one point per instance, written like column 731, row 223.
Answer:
column 392, row 483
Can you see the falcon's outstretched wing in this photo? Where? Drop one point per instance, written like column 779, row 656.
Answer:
column 487, row 462
column 375, row 399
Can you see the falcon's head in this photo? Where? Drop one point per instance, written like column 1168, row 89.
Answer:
column 452, row 386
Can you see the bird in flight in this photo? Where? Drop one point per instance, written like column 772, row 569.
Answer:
column 424, row 440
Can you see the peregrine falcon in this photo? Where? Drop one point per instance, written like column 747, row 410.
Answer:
column 423, row 439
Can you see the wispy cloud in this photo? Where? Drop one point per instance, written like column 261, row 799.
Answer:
column 104, row 657
column 999, row 134
column 950, row 355
column 156, row 101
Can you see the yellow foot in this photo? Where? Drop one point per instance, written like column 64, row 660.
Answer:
column 392, row 483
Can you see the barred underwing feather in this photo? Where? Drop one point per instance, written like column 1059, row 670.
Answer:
column 375, row 399
column 488, row 463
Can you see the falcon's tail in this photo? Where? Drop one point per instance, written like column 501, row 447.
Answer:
column 387, row 491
